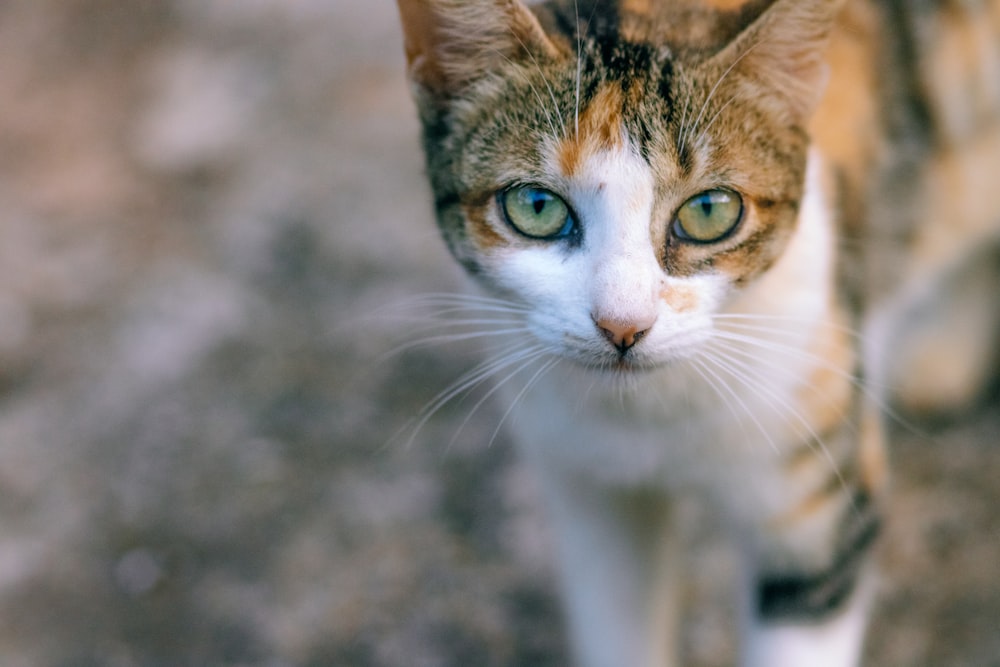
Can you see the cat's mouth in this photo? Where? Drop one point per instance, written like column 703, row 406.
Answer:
column 628, row 363
column 597, row 357
column 612, row 362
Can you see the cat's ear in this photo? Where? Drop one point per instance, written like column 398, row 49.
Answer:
column 450, row 43
column 780, row 57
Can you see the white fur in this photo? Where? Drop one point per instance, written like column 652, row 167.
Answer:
column 594, row 444
column 835, row 643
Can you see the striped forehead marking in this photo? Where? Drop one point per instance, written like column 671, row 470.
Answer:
column 600, row 128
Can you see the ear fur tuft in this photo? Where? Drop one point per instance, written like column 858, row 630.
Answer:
column 450, row 43
column 781, row 55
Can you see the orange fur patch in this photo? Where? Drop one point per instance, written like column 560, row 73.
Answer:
column 480, row 230
column 600, row 128
column 680, row 299
column 640, row 7
column 636, row 20
column 801, row 457
column 825, row 398
column 963, row 87
column 725, row 5
column 873, row 459
column 845, row 124
column 811, row 504
column 962, row 202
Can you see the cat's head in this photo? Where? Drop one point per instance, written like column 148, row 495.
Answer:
column 620, row 169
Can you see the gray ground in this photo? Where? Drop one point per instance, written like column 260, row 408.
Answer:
column 207, row 206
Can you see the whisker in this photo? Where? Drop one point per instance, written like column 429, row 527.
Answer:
column 469, row 306
column 738, row 371
column 417, row 308
column 579, row 69
column 470, row 380
column 451, row 323
column 739, row 319
column 534, row 90
column 449, row 338
column 873, row 392
column 546, row 367
column 545, row 80
column 748, row 371
column 718, row 83
column 717, row 386
column 791, row 351
column 461, row 297
column 682, row 129
column 700, row 361
column 493, row 390
column 708, row 126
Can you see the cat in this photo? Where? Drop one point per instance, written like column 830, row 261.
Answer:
column 706, row 227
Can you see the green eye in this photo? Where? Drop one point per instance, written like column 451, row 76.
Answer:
column 536, row 212
column 709, row 216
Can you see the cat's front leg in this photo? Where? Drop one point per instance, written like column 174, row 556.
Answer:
column 810, row 570
column 831, row 640
column 618, row 561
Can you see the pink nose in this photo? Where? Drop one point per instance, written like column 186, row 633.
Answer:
column 623, row 335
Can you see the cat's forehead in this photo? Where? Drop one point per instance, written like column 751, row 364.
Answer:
column 599, row 127
column 685, row 25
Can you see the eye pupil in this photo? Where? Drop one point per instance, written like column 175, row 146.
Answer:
column 706, row 206
column 539, row 204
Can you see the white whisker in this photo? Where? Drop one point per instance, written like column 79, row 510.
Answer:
column 711, row 93
column 872, row 391
column 472, row 379
column 700, row 361
column 450, row 338
column 794, row 352
column 740, row 319
column 739, row 371
column 717, row 386
column 704, row 131
column 495, row 388
column 579, row 69
column 545, row 80
column 534, row 90
column 547, row 366
column 682, row 128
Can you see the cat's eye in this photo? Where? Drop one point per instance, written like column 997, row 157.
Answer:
column 709, row 216
column 536, row 212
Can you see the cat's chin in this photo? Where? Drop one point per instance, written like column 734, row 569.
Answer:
column 624, row 366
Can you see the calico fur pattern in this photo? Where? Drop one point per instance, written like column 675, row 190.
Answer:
column 856, row 133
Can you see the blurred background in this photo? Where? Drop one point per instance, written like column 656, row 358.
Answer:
column 207, row 453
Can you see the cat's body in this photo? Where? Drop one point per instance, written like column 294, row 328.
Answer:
column 689, row 233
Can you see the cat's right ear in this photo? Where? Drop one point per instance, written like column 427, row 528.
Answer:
column 451, row 43
column 781, row 56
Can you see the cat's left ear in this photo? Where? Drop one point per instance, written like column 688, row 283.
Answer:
column 450, row 43
column 780, row 58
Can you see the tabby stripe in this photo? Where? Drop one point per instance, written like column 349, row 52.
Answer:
column 836, row 484
column 446, row 200
column 812, row 448
column 814, row 597
column 917, row 123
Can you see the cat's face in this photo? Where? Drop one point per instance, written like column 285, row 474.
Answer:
column 621, row 189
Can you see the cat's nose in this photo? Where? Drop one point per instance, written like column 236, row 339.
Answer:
column 623, row 334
